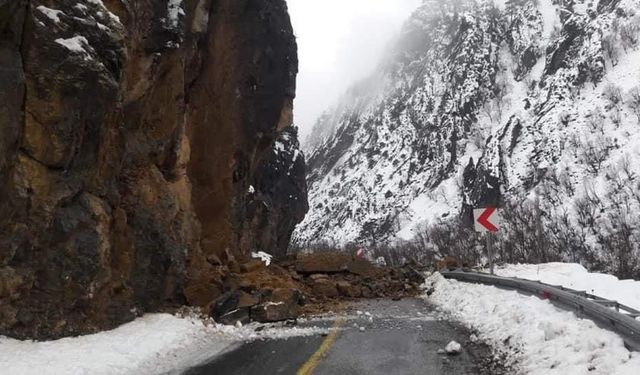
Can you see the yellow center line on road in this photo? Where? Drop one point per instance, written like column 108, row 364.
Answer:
column 314, row 360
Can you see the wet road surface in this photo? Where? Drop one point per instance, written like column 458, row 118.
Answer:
column 377, row 337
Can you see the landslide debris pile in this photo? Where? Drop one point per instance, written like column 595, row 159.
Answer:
column 307, row 283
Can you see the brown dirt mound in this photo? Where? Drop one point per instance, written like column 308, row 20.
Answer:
column 307, row 284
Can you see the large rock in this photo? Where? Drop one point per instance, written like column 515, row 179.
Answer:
column 270, row 312
column 280, row 304
column 347, row 289
column 130, row 133
column 335, row 262
column 227, row 303
column 288, row 296
column 325, row 288
column 235, row 306
column 261, row 306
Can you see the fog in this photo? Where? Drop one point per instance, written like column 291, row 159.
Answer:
column 339, row 43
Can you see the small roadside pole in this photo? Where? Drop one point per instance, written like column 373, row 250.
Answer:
column 487, row 220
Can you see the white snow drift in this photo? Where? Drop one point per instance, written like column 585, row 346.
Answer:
column 153, row 344
column 537, row 337
column 574, row 276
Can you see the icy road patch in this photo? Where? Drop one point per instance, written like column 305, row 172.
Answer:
column 535, row 336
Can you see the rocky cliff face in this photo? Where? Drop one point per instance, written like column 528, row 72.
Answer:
column 130, row 134
column 278, row 197
column 484, row 102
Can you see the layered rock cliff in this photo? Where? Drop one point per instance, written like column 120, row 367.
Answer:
column 130, row 135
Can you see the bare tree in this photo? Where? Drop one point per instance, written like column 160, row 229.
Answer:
column 633, row 101
column 613, row 95
column 593, row 154
column 629, row 35
column 565, row 118
column 595, row 120
column 616, row 117
column 610, row 48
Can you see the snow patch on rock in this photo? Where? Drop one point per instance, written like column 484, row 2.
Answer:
column 76, row 44
column 53, row 14
column 174, row 12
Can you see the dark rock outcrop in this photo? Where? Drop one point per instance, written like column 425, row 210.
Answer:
column 277, row 200
column 130, row 133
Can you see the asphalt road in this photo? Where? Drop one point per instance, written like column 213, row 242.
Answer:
column 400, row 337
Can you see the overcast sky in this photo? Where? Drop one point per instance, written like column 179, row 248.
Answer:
column 339, row 43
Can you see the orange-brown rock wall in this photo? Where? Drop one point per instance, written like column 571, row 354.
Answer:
column 130, row 132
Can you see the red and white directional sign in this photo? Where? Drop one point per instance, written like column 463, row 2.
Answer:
column 486, row 219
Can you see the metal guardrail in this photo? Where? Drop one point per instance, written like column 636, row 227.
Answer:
column 608, row 314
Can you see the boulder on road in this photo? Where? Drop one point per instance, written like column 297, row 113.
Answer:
column 347, row 289
column 335, row 262
column 248, row 300
column 224, row 304
column 319, row 263
column 269, row 312
column 241, row 315
column 286, row 295
column 325, row 288
column 453, row 348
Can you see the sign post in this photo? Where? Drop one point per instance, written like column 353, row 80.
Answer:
column 490, row 251
column 487, row 220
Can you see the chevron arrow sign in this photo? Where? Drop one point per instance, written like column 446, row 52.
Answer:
column 486, row 219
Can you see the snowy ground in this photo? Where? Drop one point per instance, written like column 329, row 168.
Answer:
column 536, row 337
column 574, row 276
column 153, row 344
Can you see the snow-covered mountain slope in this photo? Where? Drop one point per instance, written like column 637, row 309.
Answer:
column 481, row 102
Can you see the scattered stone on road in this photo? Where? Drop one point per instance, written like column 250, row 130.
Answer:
column 390, row 344
column 453, row 348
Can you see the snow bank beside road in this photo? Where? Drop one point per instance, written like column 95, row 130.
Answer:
column 539, row 338
column 574, row 276
column 153, row 344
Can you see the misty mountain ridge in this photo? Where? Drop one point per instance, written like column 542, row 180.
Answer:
column 480, row 103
